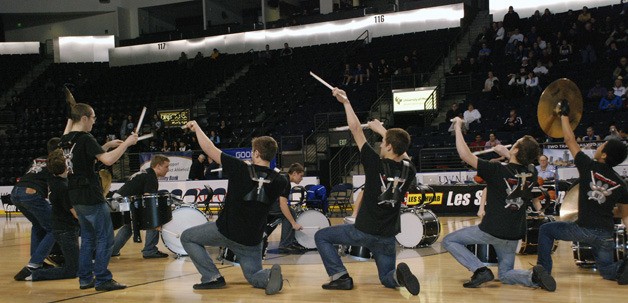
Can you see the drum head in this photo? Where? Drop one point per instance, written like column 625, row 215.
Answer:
column 312, row 221
column 182, row 219
column 411, row 230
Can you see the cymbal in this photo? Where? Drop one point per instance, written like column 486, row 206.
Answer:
column 569, row 207
column 561, row 89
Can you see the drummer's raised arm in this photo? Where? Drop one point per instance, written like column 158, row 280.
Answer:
column 206, row 144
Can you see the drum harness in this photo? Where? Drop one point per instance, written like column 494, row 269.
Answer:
column 394, row 180
column 259, row 194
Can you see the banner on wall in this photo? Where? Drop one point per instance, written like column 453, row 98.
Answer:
column 245, row 154
column 559, row 155
column 455, row 199
column 180, row 163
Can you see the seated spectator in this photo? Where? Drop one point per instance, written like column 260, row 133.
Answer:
column 370, row 71
column 540, row 69
column 212, row 165
column 587, row 41
column 197, row 170
column 517, row 83
column 183, row 146
column 347, row 75
column 622, row 68
column 383, row 70
column 406, row 66
column 612, row 54
column 532, row 85
column 489, row 82
column 516, row 36
column 585, row 15
column 513, row 122
column 542, row 44
column 266, row 56
column 596, row 92
column 183, row 59
column 610, row 102
column 286, row 51
column 613, row 133
column 590, row 136
column 525, row 63
column 458, row 68
column 484, row 54
column 565, row 51
column 453, row 112
column 473, row 66
column 545, row 170
column 471, row 115
column 619, row 89
column 358, row 74
column 478, row 144
column 215, row 54
column 492, row 141
column 501, row 33
column 214, row 137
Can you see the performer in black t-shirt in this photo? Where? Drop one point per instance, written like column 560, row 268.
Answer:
column 253, row 188
column 288, row 243
column 65, row 226
column 29, row 196
column 86, row 194
column 144, row 182
column 388, row 177
column 504, row 223
column 601, row 188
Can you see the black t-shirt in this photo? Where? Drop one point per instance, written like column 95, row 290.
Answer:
column 596, row 201
column 275, row 209
column 197, row 170
column 81, row 149
column 244, row 221
column 62, row 218
column 37, row 177
column 373, row 218
column 501, row 220
column 140, row 183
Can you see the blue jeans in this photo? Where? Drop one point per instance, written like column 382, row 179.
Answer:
column 382, row 248
column 601, row 241
column 68, row 240
column 456, row 244
column 194, row 240
column 37, row 210
column 125, row 233
column 96, row 236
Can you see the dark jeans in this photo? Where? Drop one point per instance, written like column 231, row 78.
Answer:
column 68, row 240
column 125, row 233
column 96, row 243
column 37, row 210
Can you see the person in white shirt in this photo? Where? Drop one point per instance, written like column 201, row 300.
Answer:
column 540, row 69
column 546, row 170
column 516, row 35
column 501, row 32
column 471, row 115
column 489, row 82
column 532, row 84
column 619, row 88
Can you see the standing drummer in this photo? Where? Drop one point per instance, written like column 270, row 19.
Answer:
column 141, row 183
column 387, row 180
column 600, row 189
column 504, row 223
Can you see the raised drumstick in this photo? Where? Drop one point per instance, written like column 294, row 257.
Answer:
column 486, row 151
column 321, row 80
column 139, row 122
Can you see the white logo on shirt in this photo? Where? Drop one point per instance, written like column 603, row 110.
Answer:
column 38, row 166
column 600, row 187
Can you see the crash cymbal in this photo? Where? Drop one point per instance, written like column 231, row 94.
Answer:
column 561, row 89
column 69, row 98
column 569, row 207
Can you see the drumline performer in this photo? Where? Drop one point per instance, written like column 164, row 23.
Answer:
column 600, row 189
column 288, row 243
column 143, row 182
column 253, row 188
column 504, row 223
column 378, row 221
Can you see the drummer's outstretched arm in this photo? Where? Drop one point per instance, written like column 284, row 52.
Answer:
column 352, row 120
column 206, row 145
column 569, row 137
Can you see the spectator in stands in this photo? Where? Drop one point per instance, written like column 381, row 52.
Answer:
column 347, row 75
column 212, row 165
column 110, row 128
column 590, row 136
column 619, row 89
column 266, row 56
column 458, row 68
column 565, row 51
column 610, row 102
column 165, row 146
column 370, row 71
column 286, row 51
column 471, row 115
column 532, row 85
column 152, row 147
column 157, row 126
column 473, row 66
column 596, row 92
column 517, row 83
column 511, row 19
column 546, row 22
column 531, row 37
column 198, row 58
column 613, row 133
column 383, row 70
column 492, row 141
column 478, row 144
column 518, row 52
column 127, row 126
column 516, row 36
column 585, row 16
column 545, row 170
column 535, row 19
column 197, row 170
column 484, row 54
column 406, row 66
column 453, row 112
column 183, row 59
column 490, row 83
column 525, row 63
column 215, row 54
column 622, row 68
column 500, row 35
column 613, row 53
column 540, row 69
column 174, row 146
column 513, row 122
column 183, row 146
column 224, row 130
column 358, row 74
column 214, row 137
column 587, row 41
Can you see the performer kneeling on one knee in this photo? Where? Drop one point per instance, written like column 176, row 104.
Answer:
column 377, row 223
column 600, row 189
column 144, row 182
column 508, row 190
column 253, row 188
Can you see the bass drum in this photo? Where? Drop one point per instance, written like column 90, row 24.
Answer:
column 419, row 228
column 529, row 244
column 583, row 253
column 182, row 219
column 312, row 221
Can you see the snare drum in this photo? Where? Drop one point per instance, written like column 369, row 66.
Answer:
column 485, row 252
column 529, row 244
column 419, row 228
column 152, row 210
column 583, row 253
column 119, row 208
column 311, row 220
column 182, row 219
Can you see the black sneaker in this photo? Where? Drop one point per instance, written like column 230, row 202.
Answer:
column 342, row 283
column 407, row 279
column 275, row 280
column 218, row 283
column 23, row 274
column 88, row 285
column 115, row 254
column 480, row 276
column 110, row 285
column 541, row 277
column 622, row 272
column 156, row 255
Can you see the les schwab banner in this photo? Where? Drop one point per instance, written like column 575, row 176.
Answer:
column 449, row 198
